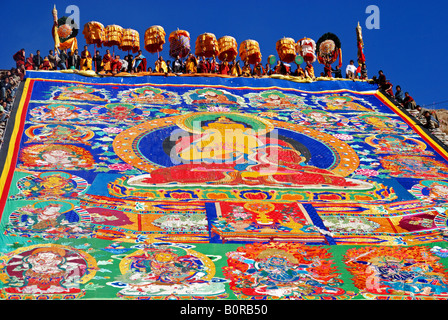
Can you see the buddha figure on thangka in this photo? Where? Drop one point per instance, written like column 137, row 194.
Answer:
column 212, row 150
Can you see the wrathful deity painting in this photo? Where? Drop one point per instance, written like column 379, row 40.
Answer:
column 212, row 189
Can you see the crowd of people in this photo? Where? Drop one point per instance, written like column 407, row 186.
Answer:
column 427, row 118
column 9, row 83
column 112, row 64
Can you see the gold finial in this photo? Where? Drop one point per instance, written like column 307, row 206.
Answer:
column 55, row 13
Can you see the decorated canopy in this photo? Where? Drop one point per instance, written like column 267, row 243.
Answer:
column 306, row 48
column 154, row 39
column 206, row 45
column 286, row 49
column 130, row 41
column 113, row 35
column 64, row 34
column 250, row 51
column 328, row 49
column 227, row 48
column 179, row 43
column 94, row 33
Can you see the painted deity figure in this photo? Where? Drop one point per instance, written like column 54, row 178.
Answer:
column 274, row 99
column 120, row 112
column 274, row 272
column 51, row 220
column 59, row 157
column 392, row 143
column 50, row 185
column 54, row 186
column 58, row 133
column 149, row 95
column 47, row 217
column 438, row 190
column 213, row 97
column 227, row 152
column 339, row 102
column 61, row 113
column 78, row 93
column 397, row 272
column 432, row 191
column 45, row 271
column 414, row 166
column 169, row 272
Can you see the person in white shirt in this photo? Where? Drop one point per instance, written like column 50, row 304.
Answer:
column 124, row 65
column 350, row 71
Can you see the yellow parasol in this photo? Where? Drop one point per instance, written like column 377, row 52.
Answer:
column 206, row 45
column 227, row 48
column 154, row 39
column 250, row 51
column 112, row 36
column 94, row 33
column 286, row 49
column 130, row 41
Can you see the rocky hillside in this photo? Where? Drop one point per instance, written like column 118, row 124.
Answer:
column 442, row 116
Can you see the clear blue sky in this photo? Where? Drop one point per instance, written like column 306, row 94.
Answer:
column 410, row 45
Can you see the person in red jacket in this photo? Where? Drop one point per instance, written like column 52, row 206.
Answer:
column 46, row 65
column 409, row 102
column 19, row 57
column 116, row 65
column 29, row 63
column 224, row 68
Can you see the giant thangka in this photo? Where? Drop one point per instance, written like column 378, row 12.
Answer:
column 219, row 188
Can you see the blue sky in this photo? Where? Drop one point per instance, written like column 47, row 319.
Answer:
column 410, row 45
